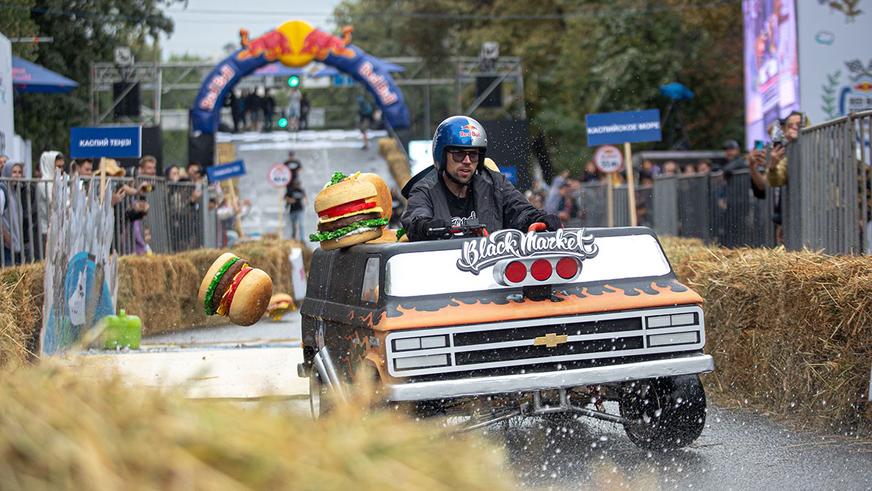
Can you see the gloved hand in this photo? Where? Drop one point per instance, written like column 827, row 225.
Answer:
column 552, row 222
column 424, row 227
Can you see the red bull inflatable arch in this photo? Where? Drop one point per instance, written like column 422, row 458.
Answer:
column 296, row 43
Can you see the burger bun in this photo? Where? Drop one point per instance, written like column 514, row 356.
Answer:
column 343, row 192
column 383, row 193
column 251, row 298
column 350, row 240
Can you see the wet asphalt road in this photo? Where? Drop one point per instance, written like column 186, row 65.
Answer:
column 737, row 450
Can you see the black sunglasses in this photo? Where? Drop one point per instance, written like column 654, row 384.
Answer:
column 459, row 155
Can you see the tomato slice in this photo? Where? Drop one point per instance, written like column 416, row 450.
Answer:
column 346, row 208
column 227, row 299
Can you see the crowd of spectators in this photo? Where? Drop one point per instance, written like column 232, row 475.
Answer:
column 766, row 165
column 134, row 192
column 257, row 110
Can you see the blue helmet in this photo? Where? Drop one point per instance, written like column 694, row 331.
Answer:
column 460, row 132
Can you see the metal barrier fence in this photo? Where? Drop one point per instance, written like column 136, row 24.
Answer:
column 179, row 217
column 826, row 201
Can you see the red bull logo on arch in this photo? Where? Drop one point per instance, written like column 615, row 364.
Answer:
column 296, row 43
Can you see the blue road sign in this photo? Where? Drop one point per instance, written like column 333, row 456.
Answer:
column 230, row 170
column 109, row 141
column 623, row 127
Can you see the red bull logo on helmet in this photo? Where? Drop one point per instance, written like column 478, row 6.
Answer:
column 470, row 130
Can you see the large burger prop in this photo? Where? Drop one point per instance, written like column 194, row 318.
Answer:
column 234, row 289
column 351, row 210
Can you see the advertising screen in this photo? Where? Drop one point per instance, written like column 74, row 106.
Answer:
column 771, row 65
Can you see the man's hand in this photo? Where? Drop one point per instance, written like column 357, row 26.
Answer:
column 756, row 158
column 440, row 224
column 552, row 222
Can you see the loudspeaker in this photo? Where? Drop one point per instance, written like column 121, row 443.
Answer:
column 201, row 149
column 128, row 105
column 152, row 144
column 495, row 98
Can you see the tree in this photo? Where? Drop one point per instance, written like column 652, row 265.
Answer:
column 582, row 57
column 84, row 31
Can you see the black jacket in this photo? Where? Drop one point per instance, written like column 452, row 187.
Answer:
column 498, row 204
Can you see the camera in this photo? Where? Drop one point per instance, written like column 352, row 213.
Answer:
column 776, row 135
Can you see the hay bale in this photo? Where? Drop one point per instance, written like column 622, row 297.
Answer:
column 21, row 292
column 397, row 161
column 68, row 430
column 790, row 331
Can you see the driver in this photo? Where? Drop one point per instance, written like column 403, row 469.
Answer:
column 464, row 191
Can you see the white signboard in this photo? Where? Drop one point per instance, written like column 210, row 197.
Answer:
column 608, row 159
column 835, row 58
column 420, row 155
column 7, row 129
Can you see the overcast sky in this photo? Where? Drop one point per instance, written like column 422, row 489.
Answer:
column 207, row 25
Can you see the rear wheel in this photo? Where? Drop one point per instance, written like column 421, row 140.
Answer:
column 664, row 413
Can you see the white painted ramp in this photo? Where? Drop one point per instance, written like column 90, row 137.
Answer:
column 321, row 153
column 230, row 362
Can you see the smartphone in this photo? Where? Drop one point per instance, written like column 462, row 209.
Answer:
column 758, row 145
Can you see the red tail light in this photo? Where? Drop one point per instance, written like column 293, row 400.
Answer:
column 541, row 269
column 516, row 272
column 537, row 271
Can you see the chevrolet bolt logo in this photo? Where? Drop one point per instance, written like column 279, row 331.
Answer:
column 550, row 340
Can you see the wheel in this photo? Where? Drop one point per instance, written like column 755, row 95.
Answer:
column 318, row 400
column 664, row 413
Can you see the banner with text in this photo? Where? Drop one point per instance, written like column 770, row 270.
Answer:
column 109, row 141
column 623, row 127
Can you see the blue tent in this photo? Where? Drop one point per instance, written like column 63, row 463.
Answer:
column 32, row 78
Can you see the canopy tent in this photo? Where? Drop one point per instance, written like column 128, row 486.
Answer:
column 32, row 78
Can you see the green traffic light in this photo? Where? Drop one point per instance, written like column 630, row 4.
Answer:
column 283, row 122
column 293, row 81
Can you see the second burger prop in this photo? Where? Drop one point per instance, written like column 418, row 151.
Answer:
column 234, row 289
column 351, row 210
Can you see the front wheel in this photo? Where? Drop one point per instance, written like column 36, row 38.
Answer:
column 664, row 413
column 318, row 400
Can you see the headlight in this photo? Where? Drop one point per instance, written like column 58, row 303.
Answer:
column 427, row 342
column 425, row 361
column 673, row 320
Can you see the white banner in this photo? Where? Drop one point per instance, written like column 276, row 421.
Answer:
column 7, row 129
column 835, row 58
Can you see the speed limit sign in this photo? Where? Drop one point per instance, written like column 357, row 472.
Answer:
column 608, row 159
column 279, row 175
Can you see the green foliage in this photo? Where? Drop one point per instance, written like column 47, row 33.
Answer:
column 84, row 32
column 579, row 57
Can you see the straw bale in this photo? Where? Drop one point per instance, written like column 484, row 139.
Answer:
column 791, row 332
column 21, row 291
column 397, row 161
column 64, row 429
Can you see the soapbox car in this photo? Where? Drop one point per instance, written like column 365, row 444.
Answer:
column 550, row 325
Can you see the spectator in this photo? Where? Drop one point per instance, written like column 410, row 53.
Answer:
column 590, row 172
column 294, row 165
column 50, row 162
column 568, row 207
column 254, row 108
column 776, row 172
column 734, row 159
column 295, row 199
column 236, row 109
column 269, row 108
column 138, row 209
column 670, row 168
column 304, row 112
column 3, row 160
column 294, row 109
column 172, row 173
column 82, row 167
column 364, row 114
column 650, row 167
column 689, row 170
column 704, row 167
column 10, row 211
column 554, row 199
